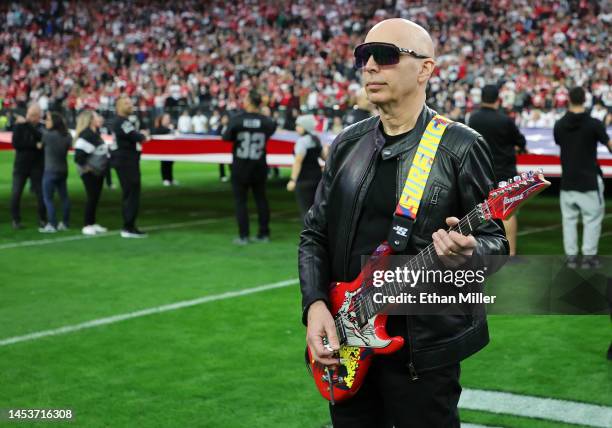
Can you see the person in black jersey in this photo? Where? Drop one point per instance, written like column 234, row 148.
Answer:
column 125, row 158
column 306, row 171
column 505, row 141
column 249, row 132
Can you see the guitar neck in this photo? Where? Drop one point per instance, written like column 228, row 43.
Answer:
column 500, row 204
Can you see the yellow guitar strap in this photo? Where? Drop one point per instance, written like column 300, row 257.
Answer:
column 416, row 181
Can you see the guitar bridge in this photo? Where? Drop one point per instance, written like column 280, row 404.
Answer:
column 335, row 378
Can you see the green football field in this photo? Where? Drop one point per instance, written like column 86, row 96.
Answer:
column 85, row 322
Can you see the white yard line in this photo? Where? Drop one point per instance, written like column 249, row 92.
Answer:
column 551, row 227
column 144, row 312
column 550, row 409
column 475, row 426
column 36, row 242
column 538, row 230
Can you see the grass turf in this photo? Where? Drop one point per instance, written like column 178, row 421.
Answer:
column 235, row 362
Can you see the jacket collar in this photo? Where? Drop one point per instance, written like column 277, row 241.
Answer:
column 411, row 140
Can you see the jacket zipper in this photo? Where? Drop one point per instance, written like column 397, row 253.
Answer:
column 436, row 193
column 349, row 242
column 398, row 179
column 412, row 370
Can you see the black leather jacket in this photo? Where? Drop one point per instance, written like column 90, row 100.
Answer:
column 460, row 178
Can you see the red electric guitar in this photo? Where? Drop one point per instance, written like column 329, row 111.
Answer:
column 361, row 327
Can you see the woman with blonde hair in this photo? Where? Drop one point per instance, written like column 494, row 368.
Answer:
column 91, row 157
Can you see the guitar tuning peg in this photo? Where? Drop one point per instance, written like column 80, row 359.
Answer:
column 510, row 181
column 517, row 178
column 502, row 184
column 524, row 175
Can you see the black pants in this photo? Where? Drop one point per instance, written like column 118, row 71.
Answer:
column 109, row 177
column 305, row 193
column 128, row 171
column 389, row 398
column 20, row 177
column 166, row 170
column 93, row 188
column 240, row 186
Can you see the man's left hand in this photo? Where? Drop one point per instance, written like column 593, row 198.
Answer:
column 453, row 248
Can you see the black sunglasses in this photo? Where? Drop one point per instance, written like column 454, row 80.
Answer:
column 383, row 53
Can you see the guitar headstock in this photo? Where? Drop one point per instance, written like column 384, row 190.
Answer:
column 510, row 194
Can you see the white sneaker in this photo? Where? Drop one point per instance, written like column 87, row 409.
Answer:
column 61, row 226
column 133, row 233
column 167, row 183
column 241, row 241
column 89, row 230
column 99, row 229
column 47, row 229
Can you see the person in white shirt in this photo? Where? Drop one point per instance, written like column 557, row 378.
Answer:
column 599, row 112
column 184, row 123
column 200, row 123
column 43, row 102
column 475, row 95
column 214, row 124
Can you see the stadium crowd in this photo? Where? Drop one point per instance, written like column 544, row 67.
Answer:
column 205, row 56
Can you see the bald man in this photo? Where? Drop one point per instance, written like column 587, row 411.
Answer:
column 125, row 158
column 29, row 163
column 354, row 212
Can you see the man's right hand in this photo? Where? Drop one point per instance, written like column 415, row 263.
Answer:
column 321, row 324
